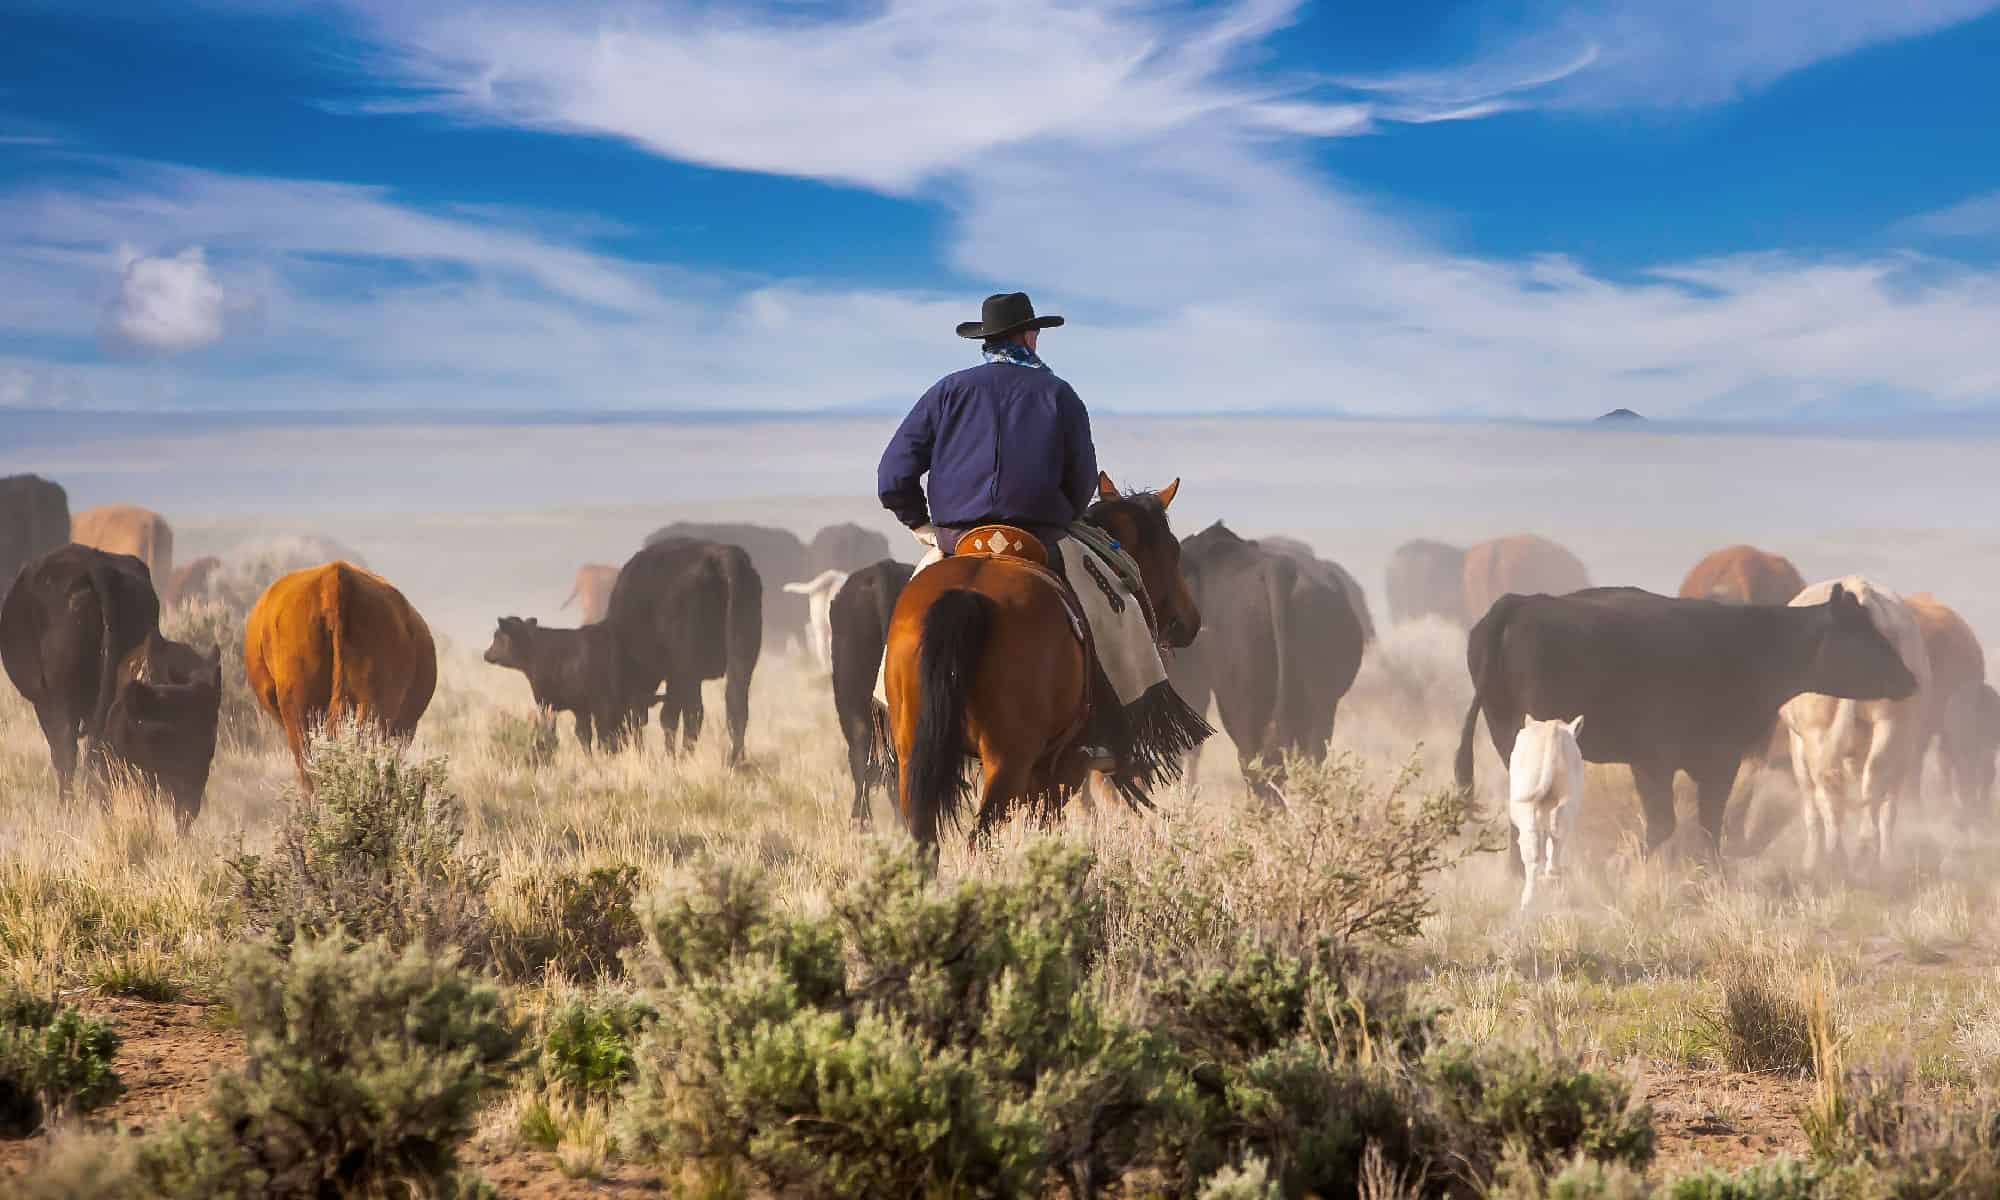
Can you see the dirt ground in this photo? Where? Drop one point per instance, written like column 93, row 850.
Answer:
column 171, row 1051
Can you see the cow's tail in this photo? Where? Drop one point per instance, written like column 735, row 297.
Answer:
column 105, row 586
column 1482, row 654
column 955, row 631
column 744, row 629
column 573, row 591
column 339, row 705
column 1281, row 584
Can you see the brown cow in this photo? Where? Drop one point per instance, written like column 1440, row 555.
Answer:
column 334, row 642
column 592, row 592
column 1523, row 564
column 1958, row 662
column 128, row 529
column 1743, row 575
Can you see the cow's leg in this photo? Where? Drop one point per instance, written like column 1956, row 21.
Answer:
column 1809, row 810
column 673, row 722
column 586, row 730
column 1532, row 838
column 693, row 717
column 61, row 731
column 736, row 708
column 859, row 735
column 1882, row 776
column 1713, row 783
column 1656, row 801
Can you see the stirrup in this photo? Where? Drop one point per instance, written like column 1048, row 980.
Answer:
column 1097, row 758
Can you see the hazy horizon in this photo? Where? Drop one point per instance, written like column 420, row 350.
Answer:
column 479, row 519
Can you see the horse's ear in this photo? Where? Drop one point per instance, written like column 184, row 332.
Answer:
column 1106, row 490
column 1166, row 493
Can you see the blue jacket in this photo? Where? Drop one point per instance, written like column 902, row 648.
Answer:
column 1001, row 442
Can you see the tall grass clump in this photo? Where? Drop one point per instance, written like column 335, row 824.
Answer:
column 54, row 1062
column 1764, row 1023
column 374, row 848
column 580, row 922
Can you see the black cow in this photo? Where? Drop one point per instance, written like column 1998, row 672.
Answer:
column 34, row 519
column 80, row 637
column 1665, row 684
column 844, row 547
column 575, row 671
column 1426, row 579
column 1970, row 738
column 1278, row 649
column 684, row 611
column 1327, row 571
column 777, row 554
column 860, row 618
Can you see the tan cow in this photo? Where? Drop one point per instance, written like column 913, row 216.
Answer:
column 1522, row 563
column 592, row 593
column 1873, row 746
column 1958, row 662
column 128, row 529
column 1743, row 575
column 336, row 642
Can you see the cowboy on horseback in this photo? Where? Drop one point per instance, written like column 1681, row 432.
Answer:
column 1007, row 443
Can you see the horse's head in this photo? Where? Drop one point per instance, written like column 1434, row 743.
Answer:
column 1139, row 522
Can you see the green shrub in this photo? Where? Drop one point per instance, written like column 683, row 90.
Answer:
column 582, row 924
column 1548, row 1111
column 374, row 849
column 1249, row 1181
column 920, row 1038
column 54, row 1061
column 1348, row 861
column 587, row 1045
column 366, row 1068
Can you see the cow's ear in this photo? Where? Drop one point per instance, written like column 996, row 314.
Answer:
column 1166, row 493
column 1106, row 490
column 534, row 622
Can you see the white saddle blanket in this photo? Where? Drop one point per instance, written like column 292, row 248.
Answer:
column 1124, row 644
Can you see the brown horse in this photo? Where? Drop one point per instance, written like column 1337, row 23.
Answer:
column 983, row 659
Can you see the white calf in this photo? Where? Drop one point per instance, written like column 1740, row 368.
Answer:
column 819, row 592
column 1544, row 790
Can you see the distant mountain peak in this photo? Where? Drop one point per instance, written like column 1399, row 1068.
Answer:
column 1618, row 416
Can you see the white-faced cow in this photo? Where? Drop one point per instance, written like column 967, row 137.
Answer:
column 819, row 592
column 1872, row 746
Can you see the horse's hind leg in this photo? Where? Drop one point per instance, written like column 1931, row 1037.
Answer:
column 1006, row 782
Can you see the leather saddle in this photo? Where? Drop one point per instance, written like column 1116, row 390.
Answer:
column 1025, row 549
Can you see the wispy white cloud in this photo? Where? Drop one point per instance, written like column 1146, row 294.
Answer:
column 1973, row 217
column 883, row 97
column 1664, row 53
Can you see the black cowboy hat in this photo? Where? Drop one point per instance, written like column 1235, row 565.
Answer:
column 1005, row 313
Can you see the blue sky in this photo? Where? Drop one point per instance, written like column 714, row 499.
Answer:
column 1784, row 209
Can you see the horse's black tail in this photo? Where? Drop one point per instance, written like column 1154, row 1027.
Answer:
column 954, row 636
column 1482, row 655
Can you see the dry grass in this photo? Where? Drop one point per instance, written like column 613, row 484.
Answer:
column 1627, row 967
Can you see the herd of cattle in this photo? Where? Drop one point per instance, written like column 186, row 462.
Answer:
column 1847, row 682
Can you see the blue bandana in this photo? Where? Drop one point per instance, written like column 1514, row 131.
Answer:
column 1012, row 352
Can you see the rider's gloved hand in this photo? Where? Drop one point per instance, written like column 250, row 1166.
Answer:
column 926, row 535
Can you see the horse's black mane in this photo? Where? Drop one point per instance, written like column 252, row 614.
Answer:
column 1152, row 514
